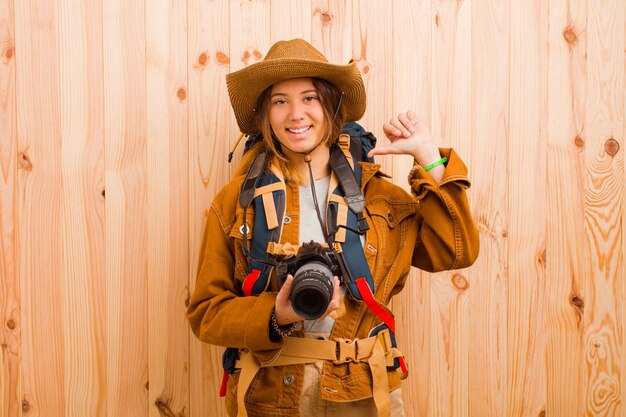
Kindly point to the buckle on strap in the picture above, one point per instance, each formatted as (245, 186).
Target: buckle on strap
(358, 350)
(347, 351)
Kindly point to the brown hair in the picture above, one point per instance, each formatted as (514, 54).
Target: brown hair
(330, 98)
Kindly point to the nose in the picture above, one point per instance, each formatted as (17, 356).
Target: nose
(296, 111)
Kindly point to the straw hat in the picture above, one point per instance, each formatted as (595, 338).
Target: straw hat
(295, 58)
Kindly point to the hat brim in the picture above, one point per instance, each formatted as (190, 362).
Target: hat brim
(246, 85)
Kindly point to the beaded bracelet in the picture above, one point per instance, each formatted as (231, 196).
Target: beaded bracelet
(436, 163)
(278, 330)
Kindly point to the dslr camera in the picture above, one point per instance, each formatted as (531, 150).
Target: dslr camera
(313, 269)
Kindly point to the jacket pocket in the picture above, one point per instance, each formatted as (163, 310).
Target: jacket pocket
(389, 220)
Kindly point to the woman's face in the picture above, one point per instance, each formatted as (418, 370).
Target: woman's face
(296, 115)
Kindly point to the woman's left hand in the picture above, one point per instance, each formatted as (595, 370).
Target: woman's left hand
(408, 136)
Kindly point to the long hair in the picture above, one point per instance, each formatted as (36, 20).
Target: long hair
(334, 115)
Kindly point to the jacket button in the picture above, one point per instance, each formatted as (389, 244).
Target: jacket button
(390, 216)
(287, 220)
(288, 379)
(244, 227)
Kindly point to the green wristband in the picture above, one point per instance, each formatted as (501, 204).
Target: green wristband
(437, 163)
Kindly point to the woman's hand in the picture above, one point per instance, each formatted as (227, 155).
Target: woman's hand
(283, 310)
(410, 136)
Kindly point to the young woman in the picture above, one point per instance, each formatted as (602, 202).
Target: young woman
(303, 182)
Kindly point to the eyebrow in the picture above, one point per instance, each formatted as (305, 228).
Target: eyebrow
(312, 90)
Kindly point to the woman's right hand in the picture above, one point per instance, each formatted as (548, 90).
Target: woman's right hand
(283, 310)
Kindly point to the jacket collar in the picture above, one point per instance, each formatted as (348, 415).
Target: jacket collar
(369, 170)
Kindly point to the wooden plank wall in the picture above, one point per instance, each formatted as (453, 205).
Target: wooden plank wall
(114, 130)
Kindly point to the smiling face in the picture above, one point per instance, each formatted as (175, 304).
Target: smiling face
(296, 116)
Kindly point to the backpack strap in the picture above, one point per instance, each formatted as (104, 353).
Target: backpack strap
(269, 206)
(247, 192)
(346, 171)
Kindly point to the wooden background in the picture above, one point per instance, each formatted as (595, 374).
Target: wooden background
(114, 130)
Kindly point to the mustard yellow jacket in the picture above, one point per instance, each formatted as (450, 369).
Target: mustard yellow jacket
(432, 230)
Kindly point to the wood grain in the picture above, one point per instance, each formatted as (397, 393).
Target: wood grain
(604, 195)
(371, 45)
(488, 283)
(623, 254)
(567, 262)
(210, 137)
(411, 76)
(125, 196)
(82, 283)
(250, 34)
(289, 19)
(167, 209)
(9, 279)
(526, 317)
(451, 117)
(331, 29)
(40, 208)
(115, 125)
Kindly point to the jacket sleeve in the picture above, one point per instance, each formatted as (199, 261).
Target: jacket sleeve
(218, 313)
(447, 238)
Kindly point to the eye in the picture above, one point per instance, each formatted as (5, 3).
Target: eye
(310, 98)
(279, 101)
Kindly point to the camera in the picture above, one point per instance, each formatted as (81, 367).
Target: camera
(313, 269)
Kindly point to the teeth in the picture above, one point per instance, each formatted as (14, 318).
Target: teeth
(301, 130)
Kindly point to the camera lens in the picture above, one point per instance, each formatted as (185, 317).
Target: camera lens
(312, 290)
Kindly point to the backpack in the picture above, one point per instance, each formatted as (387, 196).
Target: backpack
(361, 142)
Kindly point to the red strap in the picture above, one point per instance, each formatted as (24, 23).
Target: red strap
(402, 364)
(249, 282)
(224, 382)
(378, 309)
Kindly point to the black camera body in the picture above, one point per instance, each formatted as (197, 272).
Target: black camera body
(313, 269)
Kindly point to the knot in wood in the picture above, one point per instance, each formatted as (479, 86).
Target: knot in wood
(541, 258)
(460, 282)
(164, 410)
(326, 18)
(611, 146)
(8, 53)
(25, 406)
(249, 58)
(11, 324)
(570, 35)
(203, 59)
(24, 162)
(181, 94)
(579, 142)
(222, 58)
(577, 302)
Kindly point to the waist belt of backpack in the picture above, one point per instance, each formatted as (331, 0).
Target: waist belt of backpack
(377, 351)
